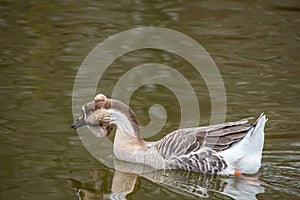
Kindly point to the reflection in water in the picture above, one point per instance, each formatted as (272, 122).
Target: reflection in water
(255, 44)
(123, 184)
(189, 184)
(91, 189)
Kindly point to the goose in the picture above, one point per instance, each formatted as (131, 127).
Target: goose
(230, 148)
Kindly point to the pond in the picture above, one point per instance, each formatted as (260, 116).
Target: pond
(255, 46)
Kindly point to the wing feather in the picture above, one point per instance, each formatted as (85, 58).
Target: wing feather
(217, 137)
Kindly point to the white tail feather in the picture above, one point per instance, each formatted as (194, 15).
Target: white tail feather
(245, 156)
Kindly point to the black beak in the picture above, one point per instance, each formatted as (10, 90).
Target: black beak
(79, 122)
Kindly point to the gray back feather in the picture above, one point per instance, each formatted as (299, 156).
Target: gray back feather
(184, 148)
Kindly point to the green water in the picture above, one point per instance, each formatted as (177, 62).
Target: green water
(255, 45)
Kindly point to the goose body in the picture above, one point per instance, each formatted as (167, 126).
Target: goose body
(217, 149)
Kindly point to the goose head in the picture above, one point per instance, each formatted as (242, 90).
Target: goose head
(96, 116)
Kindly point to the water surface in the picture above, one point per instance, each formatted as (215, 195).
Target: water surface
(254, 44)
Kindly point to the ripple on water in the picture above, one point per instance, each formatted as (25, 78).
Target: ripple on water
(280, 171)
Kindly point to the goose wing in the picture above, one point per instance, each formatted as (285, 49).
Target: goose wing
(217, 137)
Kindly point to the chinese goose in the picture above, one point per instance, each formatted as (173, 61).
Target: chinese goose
(227, 148)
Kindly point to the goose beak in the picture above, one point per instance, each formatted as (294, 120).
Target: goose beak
(79, 122)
